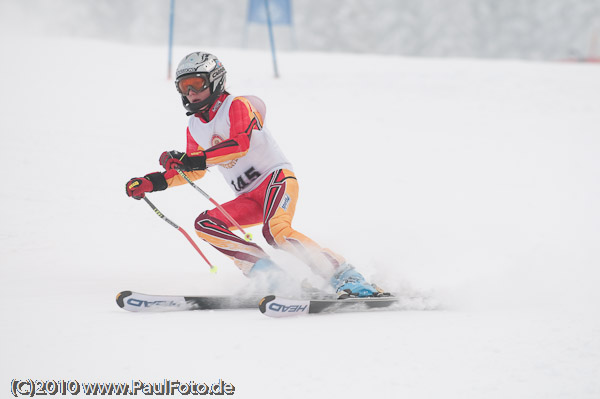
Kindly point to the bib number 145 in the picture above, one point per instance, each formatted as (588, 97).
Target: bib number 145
(244, 180)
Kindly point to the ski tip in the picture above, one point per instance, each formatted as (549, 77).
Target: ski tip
(121, 298)
(262, 305)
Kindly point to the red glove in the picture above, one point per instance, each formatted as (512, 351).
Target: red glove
(180, 160)
(171, 160)
(139, 186)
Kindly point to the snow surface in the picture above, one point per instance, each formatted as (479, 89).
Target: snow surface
(474, 181)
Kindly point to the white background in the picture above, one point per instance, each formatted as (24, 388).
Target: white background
(522, 29)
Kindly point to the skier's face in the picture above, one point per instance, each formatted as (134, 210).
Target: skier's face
(194, 97)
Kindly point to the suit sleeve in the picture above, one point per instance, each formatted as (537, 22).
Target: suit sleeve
(244, 118)
(173, 178)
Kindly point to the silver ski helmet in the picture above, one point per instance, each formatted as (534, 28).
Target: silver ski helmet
(203, 67)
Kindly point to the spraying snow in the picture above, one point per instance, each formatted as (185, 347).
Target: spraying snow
(475, 182)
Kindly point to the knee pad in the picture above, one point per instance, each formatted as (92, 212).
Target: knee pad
(206, 224)
(276, 234)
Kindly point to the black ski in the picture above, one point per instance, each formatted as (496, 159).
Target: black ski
(275, 306)
(137, 302)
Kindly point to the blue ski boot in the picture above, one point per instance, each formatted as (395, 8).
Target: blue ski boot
(264, 265)
(348, 283)
(269, 278)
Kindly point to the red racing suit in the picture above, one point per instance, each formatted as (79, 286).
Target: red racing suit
(234, 139)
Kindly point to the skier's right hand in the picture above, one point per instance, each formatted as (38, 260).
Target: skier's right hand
(138, 187)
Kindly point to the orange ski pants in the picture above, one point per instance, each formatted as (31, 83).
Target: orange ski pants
(272, 204)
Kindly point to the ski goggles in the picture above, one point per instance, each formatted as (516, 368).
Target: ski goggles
(195, 83)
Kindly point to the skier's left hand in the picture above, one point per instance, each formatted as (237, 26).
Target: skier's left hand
(180, 160)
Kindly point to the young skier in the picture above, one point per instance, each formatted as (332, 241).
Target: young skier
(228, 132)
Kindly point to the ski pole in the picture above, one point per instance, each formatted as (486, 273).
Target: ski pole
(247, 236)
(213, 269)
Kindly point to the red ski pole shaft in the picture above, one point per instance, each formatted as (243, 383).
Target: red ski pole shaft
(247, 236)
(213, 268)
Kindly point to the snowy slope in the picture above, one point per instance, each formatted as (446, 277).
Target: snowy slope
(475, 181)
